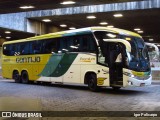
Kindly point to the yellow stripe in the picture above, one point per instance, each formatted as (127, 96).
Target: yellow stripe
(140, 74)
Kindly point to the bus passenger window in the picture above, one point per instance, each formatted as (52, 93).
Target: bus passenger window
(88, 44)
(50, 46)
(23, 48)
(13, 50)
(74, 46)
(64, 45)
(9, 50)
(6, 50)
(78, 43)
(36, 47)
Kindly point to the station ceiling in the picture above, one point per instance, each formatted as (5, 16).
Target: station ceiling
(147, 20)
(14, 34)
(10, 6)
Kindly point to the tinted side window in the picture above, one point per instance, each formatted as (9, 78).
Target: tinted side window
(78, 43)
(13, 49)
(6, 50)
(50, 45)
(65, 44)
(23, 48)
(88, 43)
(10, 49)
(75, 44)
(35, 47)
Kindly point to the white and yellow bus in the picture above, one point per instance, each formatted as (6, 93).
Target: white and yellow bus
(97, 56)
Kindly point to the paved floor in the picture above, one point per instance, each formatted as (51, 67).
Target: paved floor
(43, 97)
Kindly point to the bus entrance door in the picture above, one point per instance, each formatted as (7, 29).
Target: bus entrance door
(117, 58)
(115, 65)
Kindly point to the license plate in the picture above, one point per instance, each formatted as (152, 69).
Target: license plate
(142, 84)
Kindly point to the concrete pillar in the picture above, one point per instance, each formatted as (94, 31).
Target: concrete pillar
(40, 28)
(2, 40)
(36, 27)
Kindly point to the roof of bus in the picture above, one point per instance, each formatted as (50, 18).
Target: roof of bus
(76, 31)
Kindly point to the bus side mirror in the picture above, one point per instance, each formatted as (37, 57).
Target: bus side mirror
(126, 61)
(128, 58)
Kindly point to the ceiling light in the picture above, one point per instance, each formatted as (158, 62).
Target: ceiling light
(26, 7)
(67, 2)
(158, 45)
(118, 15)
(8, 37)
(91, 17)
(151, 39)
(46, 20)
(110, 26)
(63, 25)
(103, 23)
(140, 31)
(137, 29)
(7, 32)
(72, 28)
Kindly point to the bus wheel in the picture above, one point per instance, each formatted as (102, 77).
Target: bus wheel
(16, 77)
(92, 82)
(24, 77)
(116, 88)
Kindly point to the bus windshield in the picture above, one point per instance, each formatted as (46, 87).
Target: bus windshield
(139, 54)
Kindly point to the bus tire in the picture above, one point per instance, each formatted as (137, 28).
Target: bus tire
(24, 77)
(92, 82)
(16, 76)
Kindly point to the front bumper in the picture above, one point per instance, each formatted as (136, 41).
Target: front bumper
(139, 83)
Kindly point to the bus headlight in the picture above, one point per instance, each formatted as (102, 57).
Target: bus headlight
(131, 75)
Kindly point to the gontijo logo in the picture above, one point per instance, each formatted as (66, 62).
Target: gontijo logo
(87, 59)
(28, 59)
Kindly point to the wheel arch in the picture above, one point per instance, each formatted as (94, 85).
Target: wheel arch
(15, 70)
(25, 76)
(86, 76)
(25, 70)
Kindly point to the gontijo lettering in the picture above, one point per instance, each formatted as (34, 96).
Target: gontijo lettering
(28, 59)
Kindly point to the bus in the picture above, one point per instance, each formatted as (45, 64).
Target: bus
(95, 56)
(153, 52)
